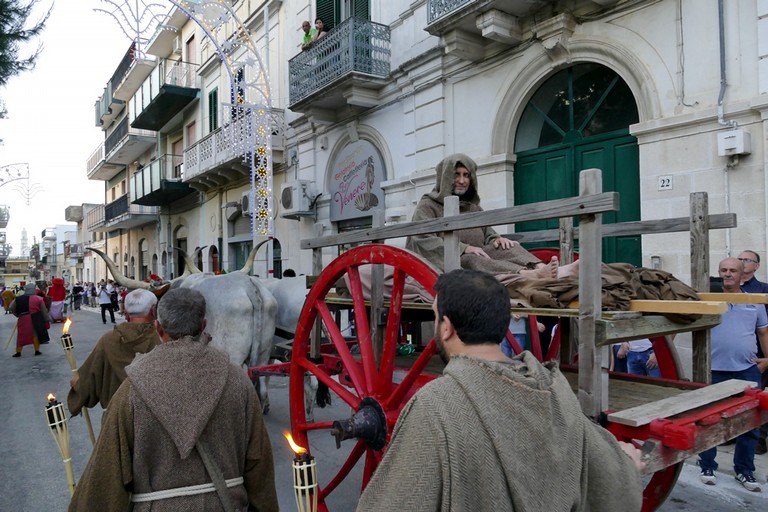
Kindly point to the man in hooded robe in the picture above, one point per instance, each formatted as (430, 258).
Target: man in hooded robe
(33, 320)
(480, 248)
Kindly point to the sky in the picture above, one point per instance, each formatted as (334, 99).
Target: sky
(51, 119)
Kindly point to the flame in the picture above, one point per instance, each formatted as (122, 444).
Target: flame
(298, 450)
(67, 324)
(51, 397)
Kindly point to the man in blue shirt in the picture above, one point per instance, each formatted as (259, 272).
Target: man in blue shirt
(750, 284)
(734, 356)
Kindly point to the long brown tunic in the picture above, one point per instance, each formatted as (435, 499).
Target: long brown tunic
(501, 436)
(430, 246)
(180, 392)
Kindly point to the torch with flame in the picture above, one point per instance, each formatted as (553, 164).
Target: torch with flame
(304, 477)
(57, 422)
(69, 350)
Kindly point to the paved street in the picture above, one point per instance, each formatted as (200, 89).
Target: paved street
(33, 473)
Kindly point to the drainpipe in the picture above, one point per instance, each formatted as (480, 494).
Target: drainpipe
(722, 121)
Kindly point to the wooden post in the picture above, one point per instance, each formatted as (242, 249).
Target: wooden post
(377, 296)
(452, 258)
(590, 391)
(566, 240)
(317, 268)
(701, 341)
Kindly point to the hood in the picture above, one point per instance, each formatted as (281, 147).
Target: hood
(57, 281)
(526, 385)
(199, 374)
(137, 335)
(444, 176)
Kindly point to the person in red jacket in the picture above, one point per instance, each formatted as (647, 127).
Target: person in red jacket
(57, 293)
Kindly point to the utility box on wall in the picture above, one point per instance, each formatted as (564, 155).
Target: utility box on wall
(734, 142)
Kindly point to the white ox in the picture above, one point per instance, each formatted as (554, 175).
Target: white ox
(240, 311)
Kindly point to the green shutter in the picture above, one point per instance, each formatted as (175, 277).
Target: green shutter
(361, 9)
(328, 11)
(213, 110)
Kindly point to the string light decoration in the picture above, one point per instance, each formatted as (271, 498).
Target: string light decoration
(249, 110)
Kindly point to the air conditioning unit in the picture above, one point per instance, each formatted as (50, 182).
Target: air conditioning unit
(177, 46)
(295, 198)
(245, 204)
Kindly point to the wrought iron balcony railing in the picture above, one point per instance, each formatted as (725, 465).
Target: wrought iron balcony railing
(436, 9)
(355, 45)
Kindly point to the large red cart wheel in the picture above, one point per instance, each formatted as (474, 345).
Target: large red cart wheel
(369, 389)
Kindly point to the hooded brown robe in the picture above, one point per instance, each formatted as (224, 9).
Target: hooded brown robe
(501, 436)
(179, 393)
(104, 369)
(430, 246)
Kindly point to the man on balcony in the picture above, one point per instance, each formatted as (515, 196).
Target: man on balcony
(309, 35)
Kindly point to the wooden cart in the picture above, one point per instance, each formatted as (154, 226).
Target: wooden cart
(681, 418)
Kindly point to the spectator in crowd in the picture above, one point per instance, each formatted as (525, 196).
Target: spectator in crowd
(734, 356)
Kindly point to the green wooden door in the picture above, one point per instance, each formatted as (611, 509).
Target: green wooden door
(577, 120)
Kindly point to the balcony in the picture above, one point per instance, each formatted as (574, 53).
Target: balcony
(168, 90)
(213, 161)
(125, 144)
(159, 183)
(108, 108)
(73, 213)
(94, 219)
(76, 251)
(130, 73)
(466, 27)
(120, 214)
(346, 68)
(5, 216)
(97, 167)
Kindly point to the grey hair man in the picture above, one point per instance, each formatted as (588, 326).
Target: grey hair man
(185, 418)
(103, 371)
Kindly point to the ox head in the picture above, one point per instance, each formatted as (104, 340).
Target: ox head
(160, 287)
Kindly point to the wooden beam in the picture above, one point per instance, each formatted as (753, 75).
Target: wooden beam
(640, 227)
(644, 414)
(569, 207)
(736, 298)
(685, 307)
(701, 364)
(613, 331)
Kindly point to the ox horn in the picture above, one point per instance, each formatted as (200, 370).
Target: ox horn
(189, 264)
(119, 277)
(249, 262)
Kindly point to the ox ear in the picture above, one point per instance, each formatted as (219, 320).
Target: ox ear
(160, 291)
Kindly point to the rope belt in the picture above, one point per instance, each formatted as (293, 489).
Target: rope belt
(183, 491)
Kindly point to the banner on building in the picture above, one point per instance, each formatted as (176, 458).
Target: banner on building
(355, 182)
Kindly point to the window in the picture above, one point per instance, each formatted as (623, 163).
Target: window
(333, 12)
(213, 110)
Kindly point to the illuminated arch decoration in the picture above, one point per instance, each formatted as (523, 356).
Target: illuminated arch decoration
(249, 108)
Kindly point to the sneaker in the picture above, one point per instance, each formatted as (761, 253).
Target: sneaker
(707, 476)
(748, 481)
(17, 354)
(38, 353)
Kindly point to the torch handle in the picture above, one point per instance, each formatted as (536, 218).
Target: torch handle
(13, 331)
(70, 475)
(87, 417)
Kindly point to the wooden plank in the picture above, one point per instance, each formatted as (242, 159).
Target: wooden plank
(634, 228)
(452, 257)
(644, 414)
(702, 344)
(591, 390)
(566, 240)
(736, 298)
(613, 331)
(568, 207)
(693, 307)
